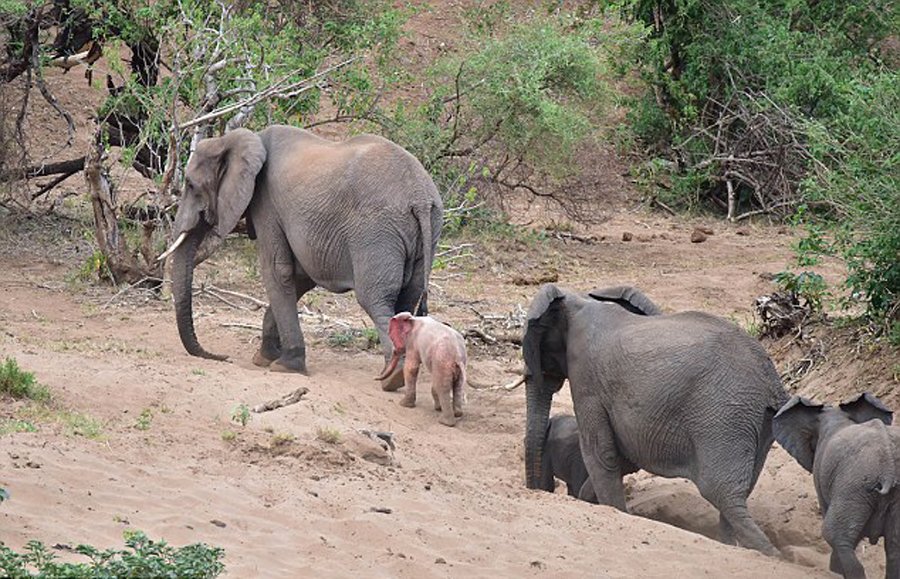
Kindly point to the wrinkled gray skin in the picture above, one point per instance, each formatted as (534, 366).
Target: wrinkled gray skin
(854, 457)
(359, 215)
(681, 395)
(562, 458)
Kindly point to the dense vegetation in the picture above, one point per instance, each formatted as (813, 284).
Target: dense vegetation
(744, 107)
(142, 557)
(785, 106)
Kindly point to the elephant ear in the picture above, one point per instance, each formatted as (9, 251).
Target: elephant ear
(630, 298)
(241, 158)
(867, 407)
(796, 429)
(399, 328)
(544, 344)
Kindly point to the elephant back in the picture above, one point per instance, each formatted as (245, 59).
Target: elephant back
(629, 297)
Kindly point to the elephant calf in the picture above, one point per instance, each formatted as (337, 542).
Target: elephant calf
(442, 349)
(854, 456)
(563, 460)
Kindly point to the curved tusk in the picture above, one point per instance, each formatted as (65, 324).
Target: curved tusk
(173, 247)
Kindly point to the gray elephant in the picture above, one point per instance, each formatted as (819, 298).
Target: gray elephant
(359, 215)
(682, 395)
(562, 458)
(854, 456)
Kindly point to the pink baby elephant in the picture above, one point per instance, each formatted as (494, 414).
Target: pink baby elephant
(442, 350)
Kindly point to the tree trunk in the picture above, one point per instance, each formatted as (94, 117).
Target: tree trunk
(121, 265)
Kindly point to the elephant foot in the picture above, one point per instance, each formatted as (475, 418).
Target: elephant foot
(447, 421)
(408, 403)
(457, 412)
(289, 363)
(262, 360)
(393, 382)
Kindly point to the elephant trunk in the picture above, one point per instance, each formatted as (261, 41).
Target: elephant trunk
(392, 365)
(182, 282)
(537, 418)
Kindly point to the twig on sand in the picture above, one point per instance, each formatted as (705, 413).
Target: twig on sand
(127, 289)
(242, 325)
(285, 400)
(219, 294)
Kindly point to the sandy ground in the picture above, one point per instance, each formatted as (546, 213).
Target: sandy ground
(281, 501)
(284, 503)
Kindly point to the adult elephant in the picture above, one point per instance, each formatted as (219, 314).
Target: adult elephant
(361, 214)
(681, 395)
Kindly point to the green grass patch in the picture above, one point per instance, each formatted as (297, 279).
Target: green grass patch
(10, 425)
(20, 384)
(141, 557)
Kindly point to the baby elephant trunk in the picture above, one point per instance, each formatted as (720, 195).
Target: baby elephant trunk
(392, 365)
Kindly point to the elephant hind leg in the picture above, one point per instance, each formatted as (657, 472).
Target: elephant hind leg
(602, 459)
(459, 394)
(378, 285)
(735, 523)
(842, 529)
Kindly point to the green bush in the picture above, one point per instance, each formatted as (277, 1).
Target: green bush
(784, 104)
(18, 383)
(142, 557)
(511, 113)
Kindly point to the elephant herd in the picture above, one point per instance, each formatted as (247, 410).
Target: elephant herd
(679, 395)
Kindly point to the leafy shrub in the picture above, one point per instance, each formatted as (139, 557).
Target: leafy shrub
(511, 114)
(18, 383)
(142, 557)
(767, 106)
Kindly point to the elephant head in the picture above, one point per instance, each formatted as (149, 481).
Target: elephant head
(219, 183)
(545, 352)
(798, 424)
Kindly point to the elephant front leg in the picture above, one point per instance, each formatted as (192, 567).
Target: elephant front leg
(270, 346)
(410, 377)
(278, 275)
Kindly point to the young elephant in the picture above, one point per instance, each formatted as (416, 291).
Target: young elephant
(442, 349)
(854, 456)
(563, 460)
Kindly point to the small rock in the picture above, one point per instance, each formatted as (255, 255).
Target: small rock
(742, 231)
(32, 464)
(698, 236)
(538, 564)
(218, 523)
(440, 561)
(706, 230)
(382, 510)
(627, 236)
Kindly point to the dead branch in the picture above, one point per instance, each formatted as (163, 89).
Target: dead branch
(275, 90)
(216, 293)
(241, 325)
(569, 236)
(285, 400)
(128, 288)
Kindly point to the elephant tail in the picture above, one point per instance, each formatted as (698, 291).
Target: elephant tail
(423, 215)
